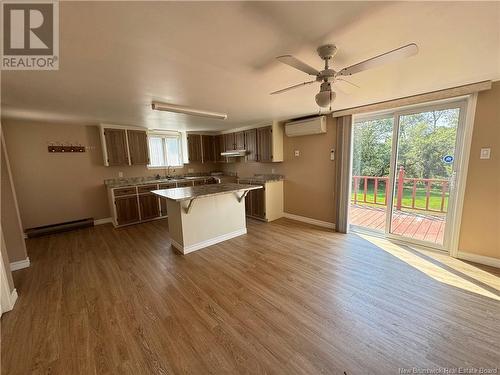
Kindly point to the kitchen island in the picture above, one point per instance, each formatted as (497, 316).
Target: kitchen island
(202, 216)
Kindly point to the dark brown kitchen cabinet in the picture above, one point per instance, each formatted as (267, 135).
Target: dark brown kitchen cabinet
(255, 204)
(219, 146)
(138, 147)
(116, 146)
(265, 144)
(229, 143)
(185, 184)
(251, 144)
(148, 204)
(239, 141)
(194, 148)
(127, 210)
(208, 142)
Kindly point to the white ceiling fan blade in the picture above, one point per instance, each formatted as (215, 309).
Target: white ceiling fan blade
(346, 81)
(396, 54)
(292, 87)
(297, 64)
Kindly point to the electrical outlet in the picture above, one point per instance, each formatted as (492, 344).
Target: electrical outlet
(332, 154)
(120, 174)
(273, 171)
(190, 170)
(297, 153)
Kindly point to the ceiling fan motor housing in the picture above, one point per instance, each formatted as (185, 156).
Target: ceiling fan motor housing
(327, 51)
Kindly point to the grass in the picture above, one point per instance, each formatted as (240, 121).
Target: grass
(420, 196)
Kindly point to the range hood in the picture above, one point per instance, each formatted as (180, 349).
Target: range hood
(233, 153)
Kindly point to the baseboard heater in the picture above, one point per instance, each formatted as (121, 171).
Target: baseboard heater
(58, 228)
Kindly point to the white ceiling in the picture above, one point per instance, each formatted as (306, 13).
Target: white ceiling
(116, 57)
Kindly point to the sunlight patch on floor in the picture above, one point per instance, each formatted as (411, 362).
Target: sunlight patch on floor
(438, 272)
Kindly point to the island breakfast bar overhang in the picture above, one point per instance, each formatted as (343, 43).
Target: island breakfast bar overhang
(204, 215)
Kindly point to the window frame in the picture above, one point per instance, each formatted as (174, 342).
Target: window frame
(164, 135)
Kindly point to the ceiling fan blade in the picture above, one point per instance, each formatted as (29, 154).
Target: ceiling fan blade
(346, 81)
(396, 54)
(297, 64)
(292, 87)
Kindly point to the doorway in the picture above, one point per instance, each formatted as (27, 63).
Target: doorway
(404, 173)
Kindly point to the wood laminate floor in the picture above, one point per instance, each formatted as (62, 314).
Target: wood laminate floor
(286, 298)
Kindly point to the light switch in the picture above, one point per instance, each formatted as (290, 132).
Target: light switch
(297, 153)
(485, 153)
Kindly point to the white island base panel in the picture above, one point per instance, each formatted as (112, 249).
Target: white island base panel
(210, 220)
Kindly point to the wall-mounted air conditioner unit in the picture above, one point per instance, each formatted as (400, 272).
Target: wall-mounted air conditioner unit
(314, 125)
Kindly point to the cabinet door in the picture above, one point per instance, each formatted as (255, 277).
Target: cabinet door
(116, 146)
(127, 210)
(251, 144)
(248, 203)
(148, 204)
(258, 208)
(219, 146)
(239, 141)
(229, 143)
(208, 148)
(138, 147)
(265, 144)
(185, 184)
(194, 147)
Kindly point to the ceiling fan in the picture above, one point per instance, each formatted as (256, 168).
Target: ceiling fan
(329, 76)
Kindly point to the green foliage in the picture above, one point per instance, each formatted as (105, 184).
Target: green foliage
(424, 139)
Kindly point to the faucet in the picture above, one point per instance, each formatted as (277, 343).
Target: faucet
(168, 171)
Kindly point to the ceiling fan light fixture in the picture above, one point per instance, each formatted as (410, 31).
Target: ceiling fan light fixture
(325, 98)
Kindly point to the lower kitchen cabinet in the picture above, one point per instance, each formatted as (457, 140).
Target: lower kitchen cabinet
(149, 207)
(135, 204)
(127, 210)
(266, 203)
(255, 204)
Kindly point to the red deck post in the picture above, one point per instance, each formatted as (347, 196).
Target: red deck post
(375, 188)
(401, 177)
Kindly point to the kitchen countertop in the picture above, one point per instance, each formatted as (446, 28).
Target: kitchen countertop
(145, 181)
(261, 179)
(189, 193)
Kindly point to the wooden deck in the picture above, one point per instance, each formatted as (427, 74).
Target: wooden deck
(412, 225)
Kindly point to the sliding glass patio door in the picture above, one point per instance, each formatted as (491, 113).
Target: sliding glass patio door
(404, 172)
(424, 173)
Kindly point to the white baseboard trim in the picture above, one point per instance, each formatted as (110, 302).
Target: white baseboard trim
(106, 220)
(481, 259)
(19, 265)
(308, 220)
(210, 242)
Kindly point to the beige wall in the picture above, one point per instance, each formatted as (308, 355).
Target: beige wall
(11, 224)
(53, 188)
(309, 188)
(480, 229)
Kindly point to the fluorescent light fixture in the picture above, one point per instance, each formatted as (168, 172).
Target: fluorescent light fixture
(188, 111)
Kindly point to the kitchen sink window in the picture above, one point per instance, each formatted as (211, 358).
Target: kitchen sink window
(164, 149)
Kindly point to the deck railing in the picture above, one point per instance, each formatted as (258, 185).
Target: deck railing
(401, 180)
